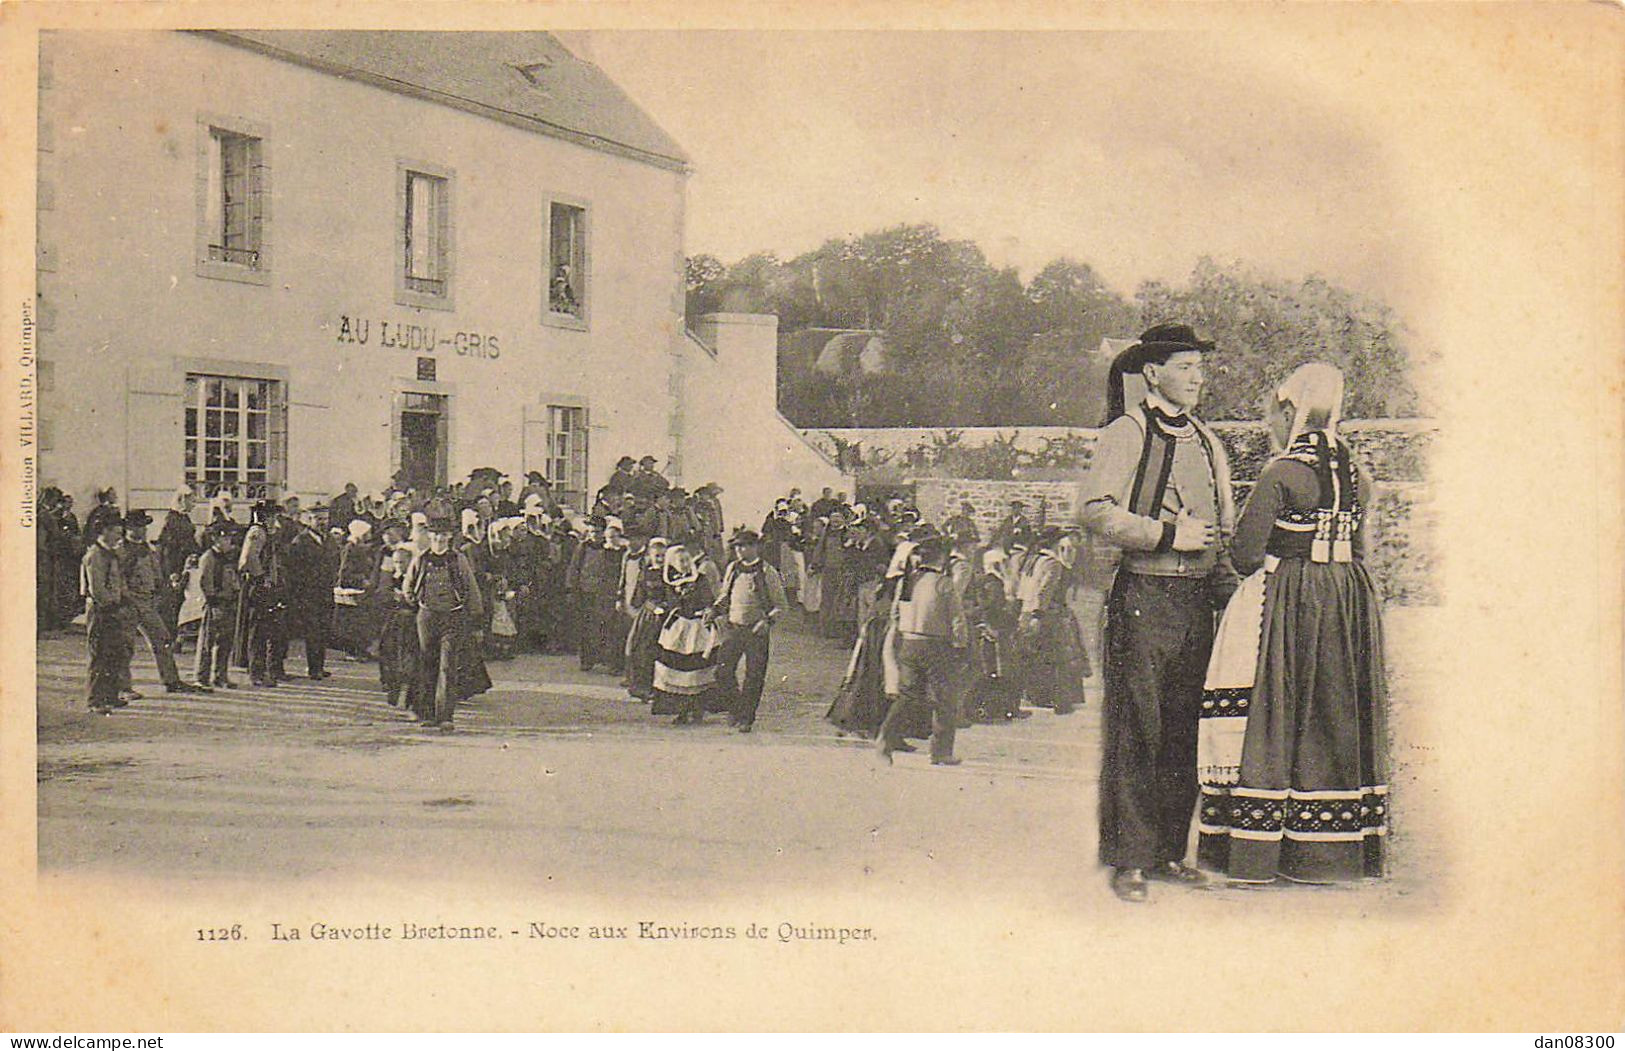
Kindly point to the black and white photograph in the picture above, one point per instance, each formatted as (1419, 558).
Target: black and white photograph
(929, 526)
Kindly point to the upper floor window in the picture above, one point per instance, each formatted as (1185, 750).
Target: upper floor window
(567, 262)
(424, 239)
(234, 202)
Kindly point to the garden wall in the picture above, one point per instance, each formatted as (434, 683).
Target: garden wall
(1395, 451)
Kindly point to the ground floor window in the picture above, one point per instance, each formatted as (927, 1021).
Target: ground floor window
(236, 436)
(566, 463)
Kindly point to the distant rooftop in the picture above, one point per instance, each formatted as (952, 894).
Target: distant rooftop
(526, 79)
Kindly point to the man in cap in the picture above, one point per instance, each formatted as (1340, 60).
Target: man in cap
(1158, 488)
(750, 600)
(441, 583)
(108, 617)
(148, 586)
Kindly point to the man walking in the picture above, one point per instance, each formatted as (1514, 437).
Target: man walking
(148, 588)
(751, 598)
(107, 618)
(932, 634)
(1158, 487)
(440, 582)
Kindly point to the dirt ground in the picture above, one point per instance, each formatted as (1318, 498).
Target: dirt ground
(555, 778)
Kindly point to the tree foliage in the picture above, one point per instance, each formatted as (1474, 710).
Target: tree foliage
(968, 344)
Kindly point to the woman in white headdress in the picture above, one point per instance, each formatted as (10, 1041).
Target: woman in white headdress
(685, 673)
(1292, 746)
(870, 684)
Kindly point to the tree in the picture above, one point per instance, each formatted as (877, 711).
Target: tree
(702, 278)
(1266, 328)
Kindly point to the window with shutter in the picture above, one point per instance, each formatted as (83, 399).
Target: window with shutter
(236, 436)
(423, 237)
(234, 201)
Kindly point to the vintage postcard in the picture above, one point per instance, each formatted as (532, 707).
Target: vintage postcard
(829, 517)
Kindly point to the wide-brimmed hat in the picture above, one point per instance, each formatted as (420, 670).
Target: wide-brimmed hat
(442, 524)
(1154, 347)
(747, 536)
(137, 520)
(1156, 344)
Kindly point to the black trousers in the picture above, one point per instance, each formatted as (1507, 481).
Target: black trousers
(107, 637)
(214, 640)
(1159, 633)
(743, 644)
(925, 677)
(597, 619)
(442, 639)
(315, 625)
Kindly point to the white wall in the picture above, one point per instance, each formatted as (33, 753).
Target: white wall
(733, 433)
(122, 306)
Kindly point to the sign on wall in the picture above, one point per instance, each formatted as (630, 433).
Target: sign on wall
(417, 338)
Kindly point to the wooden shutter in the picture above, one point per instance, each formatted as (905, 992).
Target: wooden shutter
(155, 437)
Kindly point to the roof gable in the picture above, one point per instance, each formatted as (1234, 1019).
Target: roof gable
(528, 79)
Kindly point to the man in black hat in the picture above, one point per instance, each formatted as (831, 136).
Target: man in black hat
(107, 617)
(1158, 488)
(649, 483)
(620, 482)
(932, 633)
(751, 599)
(144, 576)
(441, 583)
(312, 566)
(262, 600)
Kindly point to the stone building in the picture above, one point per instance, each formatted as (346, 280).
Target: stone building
(281, 261)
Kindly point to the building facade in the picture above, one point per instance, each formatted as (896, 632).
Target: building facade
(283, 261)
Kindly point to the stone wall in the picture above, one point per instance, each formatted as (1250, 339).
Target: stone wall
(1394, 451)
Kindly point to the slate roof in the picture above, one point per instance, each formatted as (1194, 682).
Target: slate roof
(526, 79)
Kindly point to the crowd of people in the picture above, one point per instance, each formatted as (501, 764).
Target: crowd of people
(1264, 725)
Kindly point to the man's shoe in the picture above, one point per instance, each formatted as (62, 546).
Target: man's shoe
(102, 707)
(128, 695)
(185, 687)
(947, 760)
(745, 728)
(1130, 885)
(225, 684)
(903, 746)
(321, 675)
(1176, 872)
(203, 687)
(445, 726)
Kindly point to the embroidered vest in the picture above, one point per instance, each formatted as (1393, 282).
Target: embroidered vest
(1324, 533)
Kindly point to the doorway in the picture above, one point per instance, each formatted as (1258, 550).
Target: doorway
(423, 440)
